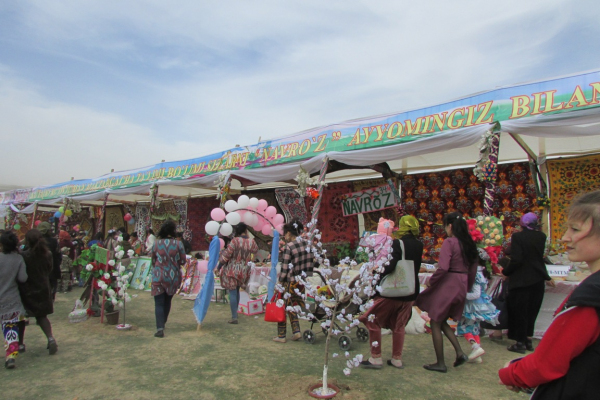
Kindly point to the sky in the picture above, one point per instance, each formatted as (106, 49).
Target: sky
(90, 86)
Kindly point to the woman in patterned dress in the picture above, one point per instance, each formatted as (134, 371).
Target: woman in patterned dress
(168, 256)
(235, 271)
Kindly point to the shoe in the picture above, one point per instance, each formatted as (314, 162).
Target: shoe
(10, 363)
(529, 345)
(478, 352)
(52, 346)
(279, 339)
(391, 364)
(233, 321)
(22, 348)
(460, 360)
(477, 360)
(160, 333)
(297, 336)
(435, 367)
(369, 365)
(517, 348)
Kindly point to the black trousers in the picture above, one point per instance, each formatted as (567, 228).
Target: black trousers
(162, 308)
(523, 307)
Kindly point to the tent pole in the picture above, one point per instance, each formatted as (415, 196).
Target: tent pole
(100, 223)
(317, 206)
(35, 207)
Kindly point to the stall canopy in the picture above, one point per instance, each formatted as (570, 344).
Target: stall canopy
(549, 118)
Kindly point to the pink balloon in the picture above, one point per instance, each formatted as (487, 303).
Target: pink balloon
(259, 225)
(37, 222)
(222, 242)
(271, 211)
(262, 205)
(266, 230)
(217, 214)
(203, 266)
(278, 219)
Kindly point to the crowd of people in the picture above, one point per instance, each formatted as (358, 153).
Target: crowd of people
(563, 364)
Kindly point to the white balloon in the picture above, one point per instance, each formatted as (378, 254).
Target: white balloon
(226, 229)
(253, 202)
(254, 220)
(243, 201)
(233, 218)
(212, 227)
(231, 205)
(248, 218)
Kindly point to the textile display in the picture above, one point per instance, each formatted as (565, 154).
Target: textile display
(181, 206)
(332, 224)
(568, 178)
(141, 221)
(198, 215)
(292, 204)
(113, 218)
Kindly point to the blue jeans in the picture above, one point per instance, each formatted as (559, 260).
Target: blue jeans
(162, 308)
(234, 300)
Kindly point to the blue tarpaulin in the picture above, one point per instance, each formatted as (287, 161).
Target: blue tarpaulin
(203, 299)
(274, 261)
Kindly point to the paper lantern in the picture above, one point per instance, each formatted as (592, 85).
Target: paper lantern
(270, 212)
(217, 214)
(131, 221)
(243, 201)
(262, 205)
(212, 227)
(221, 243)
(233, 218)
(127, 217)
(17, 227)
(226, 229)
(57, 214)
(266, 230)
(278, 219)
(36, 223)
(68, 213)
(253, 202)
(231, 205)
(203, 266)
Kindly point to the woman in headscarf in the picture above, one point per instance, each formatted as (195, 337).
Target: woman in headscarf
(526, 283)
(394, 312)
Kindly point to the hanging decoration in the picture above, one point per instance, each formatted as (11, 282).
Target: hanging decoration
(100, 222)
(304, 181)
(486, 169)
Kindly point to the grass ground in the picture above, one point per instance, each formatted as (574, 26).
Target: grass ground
(223, 361)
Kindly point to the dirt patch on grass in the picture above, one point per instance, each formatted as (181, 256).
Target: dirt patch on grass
(223, 361)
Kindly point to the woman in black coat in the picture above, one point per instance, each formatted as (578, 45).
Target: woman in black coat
(527, 276)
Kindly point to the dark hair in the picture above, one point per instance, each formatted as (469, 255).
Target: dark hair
(125, 236)
(149, 231)
(199, 256)
(134, 234)
(585, 207)
(9, 242)
(168, 229)
(295, 228)
(98, 236)
(179, 235)
(36, 242)
(240, 229)
(461, 231)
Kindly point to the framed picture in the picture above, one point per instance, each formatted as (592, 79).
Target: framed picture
(142, 270)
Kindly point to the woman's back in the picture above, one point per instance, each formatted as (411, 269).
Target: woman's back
(12, 267)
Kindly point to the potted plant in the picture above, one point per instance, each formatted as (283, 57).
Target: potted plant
(112, 315)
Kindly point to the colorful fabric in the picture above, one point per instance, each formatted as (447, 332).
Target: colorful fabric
(235, 271)
(198, 215)
(569, 178)
(294, 260)
(478, 307)
(294, 300)
(113, 218)
(292, 204)
(11, 334)
(333, 225)
(168, 255)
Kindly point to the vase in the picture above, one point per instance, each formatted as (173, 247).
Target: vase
(313, 391)
(112, 318)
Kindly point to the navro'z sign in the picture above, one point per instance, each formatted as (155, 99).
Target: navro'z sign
(369, 200)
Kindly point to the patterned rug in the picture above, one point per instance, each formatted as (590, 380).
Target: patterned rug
(568, 178)
(292, 204)
(333, 225)
(113, 218)
(198, 215)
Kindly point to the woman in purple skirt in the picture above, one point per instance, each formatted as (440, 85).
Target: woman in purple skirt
(445, 297)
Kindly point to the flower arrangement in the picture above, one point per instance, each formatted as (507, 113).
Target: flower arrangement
(485, 169)
(487, 233)
(304, 181)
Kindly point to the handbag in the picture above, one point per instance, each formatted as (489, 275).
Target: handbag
(499, 300)
(274, 313)
(401, 281)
